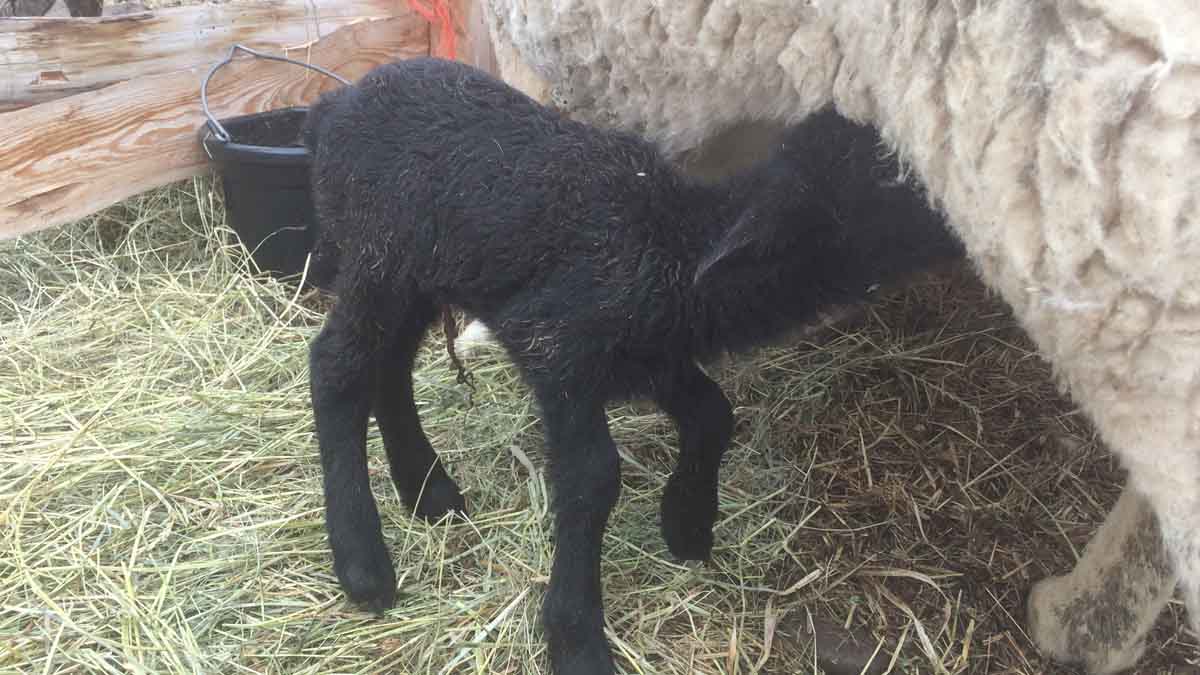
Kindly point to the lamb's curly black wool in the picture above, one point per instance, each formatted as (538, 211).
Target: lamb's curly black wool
(604, 272)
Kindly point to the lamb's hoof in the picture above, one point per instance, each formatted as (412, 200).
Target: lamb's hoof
(369, 580)
(590, 656)
(1061, 625)
(574, 630)
(687, 526)
(689, 543)
(439, 497)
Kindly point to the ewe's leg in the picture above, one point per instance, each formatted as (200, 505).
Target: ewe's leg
(1180, 522)
(1170, 483)
(418, 474)
(1181, 534)
(342, 360)
(1099, 614)
(585, 474)
(704, 418)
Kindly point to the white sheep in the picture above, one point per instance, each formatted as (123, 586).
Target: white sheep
(1062, 137)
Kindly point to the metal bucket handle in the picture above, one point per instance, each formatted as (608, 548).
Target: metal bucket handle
(218, 130)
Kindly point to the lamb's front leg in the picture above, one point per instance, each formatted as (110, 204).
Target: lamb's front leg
(585, 477)
(704, 419)
(341, 367)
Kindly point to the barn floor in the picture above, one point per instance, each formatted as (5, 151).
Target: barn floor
(905, 474)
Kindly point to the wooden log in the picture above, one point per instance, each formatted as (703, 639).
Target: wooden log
(65, 159)
(43, 58)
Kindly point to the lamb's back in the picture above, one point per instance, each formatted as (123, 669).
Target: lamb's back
(452, 177)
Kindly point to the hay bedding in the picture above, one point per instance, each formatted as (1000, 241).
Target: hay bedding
(906, 474)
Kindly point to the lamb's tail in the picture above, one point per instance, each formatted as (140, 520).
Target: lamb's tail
(322, 266)
(323, 260)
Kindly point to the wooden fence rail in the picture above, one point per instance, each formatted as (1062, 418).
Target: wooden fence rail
(96, 110)
(43, 58)
(64, 159)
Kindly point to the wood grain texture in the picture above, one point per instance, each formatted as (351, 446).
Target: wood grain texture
(45, 58)
(62, 160)
(508, 63)
(473, 42)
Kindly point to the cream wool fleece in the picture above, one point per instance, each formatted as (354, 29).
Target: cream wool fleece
(1062, 139)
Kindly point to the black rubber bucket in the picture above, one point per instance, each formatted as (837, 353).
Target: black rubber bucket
(264, 170)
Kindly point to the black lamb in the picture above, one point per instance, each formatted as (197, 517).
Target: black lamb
(604, 272)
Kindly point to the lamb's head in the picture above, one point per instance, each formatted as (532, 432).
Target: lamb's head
(825, 221)
(780, 209)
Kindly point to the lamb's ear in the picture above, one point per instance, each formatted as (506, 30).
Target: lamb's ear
(742, 246)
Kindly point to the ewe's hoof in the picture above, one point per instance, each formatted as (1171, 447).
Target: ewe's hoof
(440, 496)
(1071, 626)
(1050, 638)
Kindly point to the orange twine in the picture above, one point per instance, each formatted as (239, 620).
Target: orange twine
(437, 13)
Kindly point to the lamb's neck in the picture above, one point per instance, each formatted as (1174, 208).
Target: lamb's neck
(736, 316)
(735, 311)
(701, 214)
(708, 210)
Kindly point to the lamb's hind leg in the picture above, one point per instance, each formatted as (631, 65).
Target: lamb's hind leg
(1099, 614)
(343, 360)
(416, 470)
(704, 419)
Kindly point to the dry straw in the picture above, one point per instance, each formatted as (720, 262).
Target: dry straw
(904, 475)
